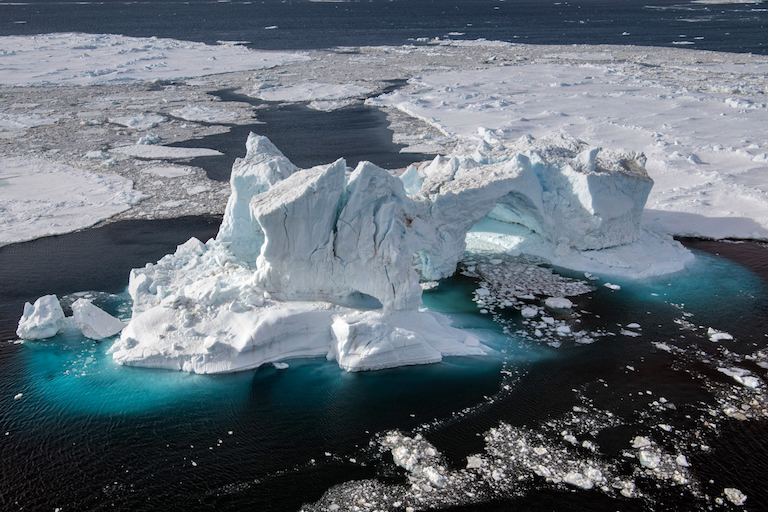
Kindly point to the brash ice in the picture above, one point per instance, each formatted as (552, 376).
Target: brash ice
(328, 262)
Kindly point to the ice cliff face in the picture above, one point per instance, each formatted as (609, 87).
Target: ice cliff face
(323, 262)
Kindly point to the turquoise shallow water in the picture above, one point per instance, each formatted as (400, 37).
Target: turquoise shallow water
(87, 434)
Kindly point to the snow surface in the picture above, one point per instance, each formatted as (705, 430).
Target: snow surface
(321, 262)
(40, 198)
(86, 59)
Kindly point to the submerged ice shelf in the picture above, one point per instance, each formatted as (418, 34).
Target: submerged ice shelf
(328, 261)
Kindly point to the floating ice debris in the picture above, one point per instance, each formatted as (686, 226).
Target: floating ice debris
(741, 376)
(18, 396)
(641, 442)
(42, 320)
(529, 312)
(417, 456)
(612, 286)
(633, 326)
(558, 303)
(149, 139)
(96, 155)
(138, 122)
(94, 322)
(735, 496)
(633, 334)
(280, 366)
(715, 335)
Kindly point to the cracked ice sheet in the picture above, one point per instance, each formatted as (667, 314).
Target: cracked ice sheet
(86, 59)
(701, 125)
(65, 199)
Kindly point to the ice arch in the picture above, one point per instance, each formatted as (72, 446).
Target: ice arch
(297, 247)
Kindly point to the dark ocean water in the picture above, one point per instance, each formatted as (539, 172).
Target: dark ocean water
(89, 435)
(304, 24)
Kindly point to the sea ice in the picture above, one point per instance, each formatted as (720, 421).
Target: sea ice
(61, 59)
(65, 198)
(42, 320)
(318, 262)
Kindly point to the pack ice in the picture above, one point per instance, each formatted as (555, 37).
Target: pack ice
(327, 261)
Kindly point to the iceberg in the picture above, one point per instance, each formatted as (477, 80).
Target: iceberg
(328, 261)
(40, 320)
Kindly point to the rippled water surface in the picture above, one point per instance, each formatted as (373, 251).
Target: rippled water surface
(86, 434)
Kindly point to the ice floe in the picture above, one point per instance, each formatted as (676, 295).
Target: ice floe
(65, 198)
(81, 59)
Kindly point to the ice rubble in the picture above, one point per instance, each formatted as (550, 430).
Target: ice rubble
(324, 262)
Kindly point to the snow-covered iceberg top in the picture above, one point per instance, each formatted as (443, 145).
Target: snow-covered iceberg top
(328, 260)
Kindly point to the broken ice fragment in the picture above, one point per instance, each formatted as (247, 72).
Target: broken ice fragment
(42, 320)
(558, 303)
(735, 496)
(93, 322)
(715, 335)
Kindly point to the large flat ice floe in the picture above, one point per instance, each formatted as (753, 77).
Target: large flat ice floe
(85, 59)
(328, 261)
(39, 197)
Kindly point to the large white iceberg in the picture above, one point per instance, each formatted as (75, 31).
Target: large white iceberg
(327, 261)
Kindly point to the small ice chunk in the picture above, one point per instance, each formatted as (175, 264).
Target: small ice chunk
(641, 442)
(735, 496)
(96, 155)
(529, 312)
(649, 458)
(148, 139)
(741, 376)
(612, 286)
(18, 396)
(558, 303)
(95, 323)
(715, 335)
(280, 366)
(633, 326)
(578, 480)
(42, 320)
(682, 461)
(474, 462)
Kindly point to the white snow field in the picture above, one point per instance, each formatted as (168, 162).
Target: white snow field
(86, 59)
(39, 198)
(312, 262)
